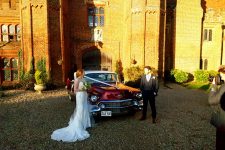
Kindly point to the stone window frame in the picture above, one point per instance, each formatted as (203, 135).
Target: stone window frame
(12, 35)
(9, 68)
(208, 34)
(12, 4)
(98, 17)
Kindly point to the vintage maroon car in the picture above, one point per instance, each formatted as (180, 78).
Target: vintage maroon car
(107, 96)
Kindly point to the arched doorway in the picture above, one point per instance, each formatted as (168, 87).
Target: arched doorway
(91, 60)
(94, 59)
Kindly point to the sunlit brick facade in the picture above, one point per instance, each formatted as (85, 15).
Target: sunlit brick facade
(95, 34)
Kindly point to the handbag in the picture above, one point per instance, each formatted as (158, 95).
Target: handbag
(218, 118)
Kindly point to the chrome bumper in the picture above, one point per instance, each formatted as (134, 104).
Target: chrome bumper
(116, 106)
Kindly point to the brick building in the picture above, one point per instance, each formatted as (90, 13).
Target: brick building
(10, 37)
(95, 34)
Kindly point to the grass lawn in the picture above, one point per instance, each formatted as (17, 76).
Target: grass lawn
(198, 85)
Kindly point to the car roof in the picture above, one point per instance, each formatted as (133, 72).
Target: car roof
(97, 71)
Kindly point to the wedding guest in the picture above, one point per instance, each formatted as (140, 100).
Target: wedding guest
(217, 100)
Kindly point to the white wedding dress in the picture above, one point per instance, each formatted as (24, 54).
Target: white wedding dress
(79, 121)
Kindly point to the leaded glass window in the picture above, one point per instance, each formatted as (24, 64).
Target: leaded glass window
(10, 69)
(95, 16)
(18, 34)
(5, 36)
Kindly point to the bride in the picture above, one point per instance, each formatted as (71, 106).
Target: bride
(80, 119)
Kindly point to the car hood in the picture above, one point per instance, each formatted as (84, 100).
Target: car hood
(117, 87)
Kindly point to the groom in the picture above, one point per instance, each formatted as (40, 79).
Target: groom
(149, 87)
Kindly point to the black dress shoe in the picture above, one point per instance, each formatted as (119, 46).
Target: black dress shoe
(142, 118)
(153, 120)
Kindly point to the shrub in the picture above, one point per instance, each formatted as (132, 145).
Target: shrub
(26, 81)
(179, 75)
(40, 73)
(40, 77)
(41, 65)
(119, 70)
(201, 75)
(133, 75)
(212, 74)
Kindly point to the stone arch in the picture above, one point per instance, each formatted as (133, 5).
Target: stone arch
(103, 60)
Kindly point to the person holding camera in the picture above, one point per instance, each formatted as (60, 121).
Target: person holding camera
(217, 100)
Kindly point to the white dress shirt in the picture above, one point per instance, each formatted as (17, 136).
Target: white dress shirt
(148, 76)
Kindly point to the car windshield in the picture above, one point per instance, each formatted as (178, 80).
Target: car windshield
(103, 77)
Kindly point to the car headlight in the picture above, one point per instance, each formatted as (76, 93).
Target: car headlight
(94, 98)
(139, 95)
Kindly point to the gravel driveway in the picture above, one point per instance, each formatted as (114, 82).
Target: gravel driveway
(183, 116)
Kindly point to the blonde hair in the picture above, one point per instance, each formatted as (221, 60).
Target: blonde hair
(79, 72)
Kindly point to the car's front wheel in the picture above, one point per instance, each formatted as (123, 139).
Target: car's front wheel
(96, 118)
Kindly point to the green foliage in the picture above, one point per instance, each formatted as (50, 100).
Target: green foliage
(40, 77)
(119, 70)
(40, 74)
(213, 73)
(26, 81)
(20, 62)
(134, 73)
(201, 76)
(179, 75)
(198, 85)
(41, 65)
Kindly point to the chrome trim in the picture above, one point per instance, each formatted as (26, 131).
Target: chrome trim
(119, 107)
(95, 109)
(116, 101)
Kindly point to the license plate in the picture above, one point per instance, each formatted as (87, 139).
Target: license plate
(106, 113)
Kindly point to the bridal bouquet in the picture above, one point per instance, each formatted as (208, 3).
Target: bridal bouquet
(86, 86)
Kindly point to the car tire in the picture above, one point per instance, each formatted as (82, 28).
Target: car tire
(97, 118)
(132, 113)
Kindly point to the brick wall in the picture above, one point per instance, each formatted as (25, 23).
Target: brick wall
(34, 32)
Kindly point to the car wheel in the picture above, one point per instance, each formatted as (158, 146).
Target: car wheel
(97, 118)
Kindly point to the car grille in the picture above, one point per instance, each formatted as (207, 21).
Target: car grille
(118, 106)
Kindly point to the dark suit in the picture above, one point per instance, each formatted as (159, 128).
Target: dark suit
(149, 90)
(217, 98)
